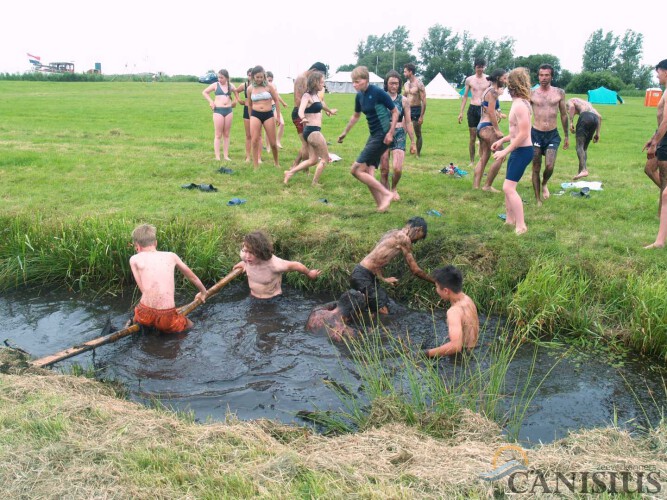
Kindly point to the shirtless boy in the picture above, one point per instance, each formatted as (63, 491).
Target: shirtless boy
(588, 127)
(265, 270)
(336, 317)
(656, 157)
(475, 84)
(547, 102)
(154, 273)
(368, 273)
(462, 319)
(415, 91)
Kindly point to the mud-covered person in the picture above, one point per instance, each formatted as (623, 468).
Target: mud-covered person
(265, 270)
(367, 275)
(588, 128)
(462, 318)
(338, 318)
(153, 270)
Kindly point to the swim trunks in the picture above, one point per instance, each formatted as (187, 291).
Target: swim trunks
(164, 320)
(373, 151)
(415, 113)
(367, 283)
(262, 115)
(474, 115)
(520, 158)
(246, 116)
(482, 125)
(587, 124)
(297, 121)
(399, 139)
(309, 129)
(661, 150)
(222, 111)
(545, 140)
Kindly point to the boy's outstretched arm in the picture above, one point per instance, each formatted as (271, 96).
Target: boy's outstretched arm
(192, 277)
(298, 266)
(414, 267)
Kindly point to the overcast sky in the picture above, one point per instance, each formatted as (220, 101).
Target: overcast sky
(190, 37)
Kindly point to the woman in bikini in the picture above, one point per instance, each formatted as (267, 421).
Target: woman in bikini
(310, 113)
(260, 95)
(488, 131)
(246, 116)
(222, 106)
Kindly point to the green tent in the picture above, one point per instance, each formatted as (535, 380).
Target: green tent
(602, 95)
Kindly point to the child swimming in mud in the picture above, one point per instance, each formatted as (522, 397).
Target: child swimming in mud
(462, 319)
(153, 271)
(337, 317)
(265, 270)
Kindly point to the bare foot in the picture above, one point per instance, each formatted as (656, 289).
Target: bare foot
(490, 189)
(316, 184)
(247, 160)
(583, 173)
(521, 230)
(217, 159)
(539, 202)
(280, 146)
(227, 158)
(653, 245)
(277, 165)
(288, 176)
(395, 196)
(545, 192)
(383, 206)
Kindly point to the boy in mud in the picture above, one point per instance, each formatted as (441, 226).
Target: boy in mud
(368, 273)
(462, 320)
(265, 270)
(153, 271)
(335, 317)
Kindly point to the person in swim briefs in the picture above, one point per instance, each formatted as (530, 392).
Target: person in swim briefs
(488, 130)
(547, 102)
(337, 318)
(265, 270)
(415, 91)
(300, 86)
(246, 115)
(392, 85)
(367, 275)
(475, 85)
(260, 95)
(153, 271)
(222, 106)
(588, 127)
(462, 318)
(310, 113)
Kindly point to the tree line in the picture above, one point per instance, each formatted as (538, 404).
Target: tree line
(607, 59)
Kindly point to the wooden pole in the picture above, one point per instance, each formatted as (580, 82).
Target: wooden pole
(113, 337)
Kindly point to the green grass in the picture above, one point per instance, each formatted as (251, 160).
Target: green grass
(83, 163)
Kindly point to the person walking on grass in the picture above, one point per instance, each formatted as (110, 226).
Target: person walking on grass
(223, 107)
(277, 114)
(588, 127)
(656, 158)
(415, 91)
(261, 94)
(392, 85)
(382, 116)
(246, 114)
(520, 148)
(475, 85)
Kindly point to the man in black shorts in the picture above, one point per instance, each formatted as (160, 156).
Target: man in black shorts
(588, 127)
(475, 85)
(382, 117)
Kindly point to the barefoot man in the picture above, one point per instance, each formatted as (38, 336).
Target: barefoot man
(656, 154)
(547, 102)
(415, 91)
(382, 116)
(475, 84)
(588, 127)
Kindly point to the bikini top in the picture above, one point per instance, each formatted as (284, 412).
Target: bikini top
(219, 91)
(485, 104)
(315, 107)
(261, 96)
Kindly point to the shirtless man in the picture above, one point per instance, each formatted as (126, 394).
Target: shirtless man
(368, 273)
(336, 317)
(588, 127)
(656, 154)
(547, 102)
(154, 273)
(462, 319)
(415, 91)
(265, 270)
(475, 84)
(300, 86)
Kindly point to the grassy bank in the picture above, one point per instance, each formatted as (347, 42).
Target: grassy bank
(82, 164)
(64, 436)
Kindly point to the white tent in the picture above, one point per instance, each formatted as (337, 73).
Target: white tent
(341, 82)
(284, 84)
(439, 88)
(505, 96)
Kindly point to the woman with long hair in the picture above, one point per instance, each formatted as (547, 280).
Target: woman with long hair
(488, 131)
(310, 113)
(222, 106)
(246, 115)
(520, 147)
(260, 95)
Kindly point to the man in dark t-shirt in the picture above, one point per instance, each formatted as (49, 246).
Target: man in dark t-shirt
(382, 116)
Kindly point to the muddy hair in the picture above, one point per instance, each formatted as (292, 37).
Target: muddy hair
(418, 222)
(547, 66)
(448, 277)
(518, 83)
(496, 75)
(393, 74)
(259, 244)
(313, 81)
(351, 303)
(144, 235)
(410, 67)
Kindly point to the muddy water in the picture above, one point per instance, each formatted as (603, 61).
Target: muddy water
(255, 360)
